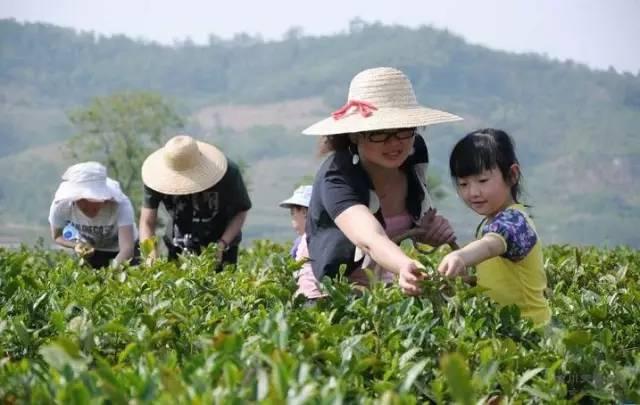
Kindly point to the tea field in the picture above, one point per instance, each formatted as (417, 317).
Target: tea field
(179, 333)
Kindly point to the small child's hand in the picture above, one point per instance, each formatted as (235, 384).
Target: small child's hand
(452, 265)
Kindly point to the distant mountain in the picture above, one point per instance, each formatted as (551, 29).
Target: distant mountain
(576, 129)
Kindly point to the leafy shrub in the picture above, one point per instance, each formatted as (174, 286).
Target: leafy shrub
(180, 332)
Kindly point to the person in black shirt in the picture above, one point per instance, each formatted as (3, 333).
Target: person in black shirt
(372, 188)
(202, 191)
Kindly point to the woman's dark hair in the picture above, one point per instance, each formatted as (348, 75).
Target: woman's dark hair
(485, 149)
(333, 143)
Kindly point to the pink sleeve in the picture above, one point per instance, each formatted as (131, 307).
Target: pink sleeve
(303, 250)
(307, 283)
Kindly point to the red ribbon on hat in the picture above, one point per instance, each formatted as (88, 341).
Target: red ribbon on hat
(365, 109)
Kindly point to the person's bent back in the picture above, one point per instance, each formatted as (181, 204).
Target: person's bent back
(97, 215)
(203, 193)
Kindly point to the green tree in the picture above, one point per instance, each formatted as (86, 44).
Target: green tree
(120, 130)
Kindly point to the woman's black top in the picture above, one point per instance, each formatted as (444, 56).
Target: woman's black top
(338, 185)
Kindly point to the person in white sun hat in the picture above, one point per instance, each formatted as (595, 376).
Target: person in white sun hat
(98, 210)
(297, 205)
(204, 194)
(372, 188)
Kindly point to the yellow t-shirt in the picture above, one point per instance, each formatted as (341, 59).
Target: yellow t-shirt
(517, 277)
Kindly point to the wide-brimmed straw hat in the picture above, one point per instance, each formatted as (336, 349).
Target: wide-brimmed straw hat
(379, 98)
(88, 180)
(184, 166)
(300, 197)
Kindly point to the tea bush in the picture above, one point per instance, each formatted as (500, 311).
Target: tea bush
(179, 332)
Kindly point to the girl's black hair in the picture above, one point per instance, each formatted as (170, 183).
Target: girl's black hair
(485, 149)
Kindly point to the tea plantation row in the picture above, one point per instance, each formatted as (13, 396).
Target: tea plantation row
(179, 333)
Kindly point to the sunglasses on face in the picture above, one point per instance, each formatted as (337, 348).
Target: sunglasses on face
(385, 135)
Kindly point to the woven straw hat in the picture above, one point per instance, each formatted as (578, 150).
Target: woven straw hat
(379, 98)
(184, 166)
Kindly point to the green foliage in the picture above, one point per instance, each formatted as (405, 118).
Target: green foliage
(120, 131)
(181, 332)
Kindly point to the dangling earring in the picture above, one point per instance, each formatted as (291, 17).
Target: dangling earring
(355, 158)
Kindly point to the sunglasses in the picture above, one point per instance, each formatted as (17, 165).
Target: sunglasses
(386, 134)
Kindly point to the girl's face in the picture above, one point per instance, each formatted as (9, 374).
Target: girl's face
(298, 218)
(387, 148)
(90, 208)
(487, 193)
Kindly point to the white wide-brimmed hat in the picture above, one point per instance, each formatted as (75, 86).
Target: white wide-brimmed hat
(184, 166)
(379, 98)
(301, 196)
(88, 180)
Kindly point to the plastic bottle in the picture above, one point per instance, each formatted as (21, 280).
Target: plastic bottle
(71, 233)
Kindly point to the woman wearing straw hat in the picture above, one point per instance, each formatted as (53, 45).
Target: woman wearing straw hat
(373, 187)
(202, 191)
(97, 211)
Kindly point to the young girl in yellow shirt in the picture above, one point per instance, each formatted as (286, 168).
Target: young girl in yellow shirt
(507, 253)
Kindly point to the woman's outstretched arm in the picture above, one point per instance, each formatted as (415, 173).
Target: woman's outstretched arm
(364, 231)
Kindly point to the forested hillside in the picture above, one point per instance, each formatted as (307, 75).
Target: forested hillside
(576, 129)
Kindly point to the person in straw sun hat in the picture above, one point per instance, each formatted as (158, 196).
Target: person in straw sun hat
(372, 188)
(100, 215)
(202, 191)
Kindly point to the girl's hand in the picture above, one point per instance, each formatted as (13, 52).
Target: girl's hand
(452, 265)
(410, 276)
(437, 229)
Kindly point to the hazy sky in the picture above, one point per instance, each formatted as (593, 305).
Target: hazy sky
(601, 33)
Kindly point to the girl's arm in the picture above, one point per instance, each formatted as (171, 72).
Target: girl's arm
(82, 249)
(456, 262)
(56, 235)
(125, 244)
(59, 214)
(364, 231)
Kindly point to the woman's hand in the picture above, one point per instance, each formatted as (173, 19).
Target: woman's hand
(409, 277)
(150, 259)
(437, 229)
(452, 265)
(83, 249)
